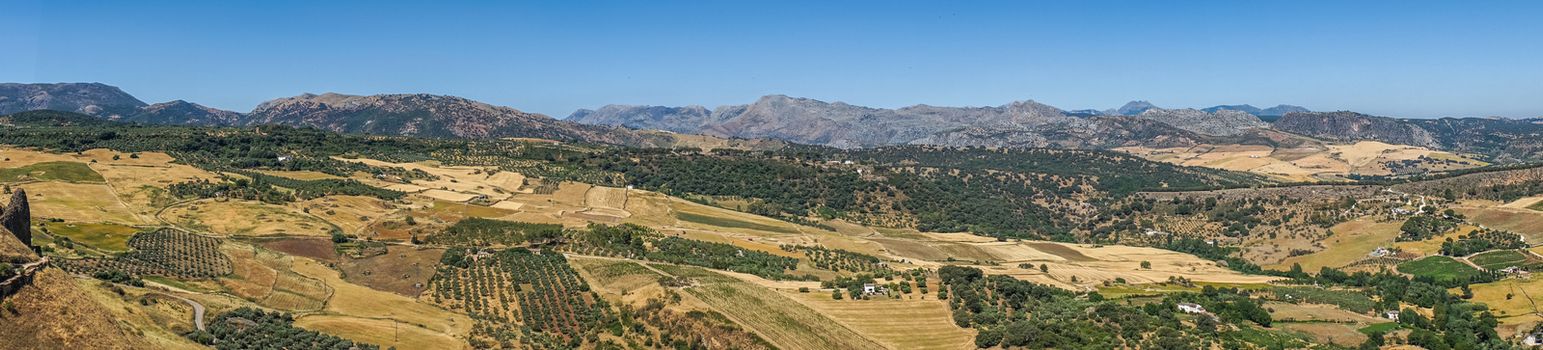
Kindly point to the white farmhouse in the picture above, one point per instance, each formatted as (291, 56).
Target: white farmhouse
(1191, 308)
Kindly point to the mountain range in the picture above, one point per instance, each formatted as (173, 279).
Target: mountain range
(1024, 123)
(421, 115)
(1020, 123)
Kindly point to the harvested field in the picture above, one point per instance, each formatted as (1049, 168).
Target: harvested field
(245, 218)
(1287, 312)
(620, 280)
(1522, 221)
(78, 202)
(782, 321)
(1309, 163)
(448, 195)
(265, 277)
(360, 301)
(730, 223)
(402, 270)
(1525, 301)
(315, 248)
(1338, 334)
(463, 179)
(301, 174)
(897, 323)
(350, 213)
(386, 333)
(452, 212)
(606, 197)
(1352, 241)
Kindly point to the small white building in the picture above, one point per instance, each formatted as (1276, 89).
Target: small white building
(874, 289)
(283, 159)
(1191, 308)
(1533, 339)
(1380, 252)
(1390, 314)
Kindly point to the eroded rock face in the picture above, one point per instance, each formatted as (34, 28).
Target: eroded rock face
(17, 217)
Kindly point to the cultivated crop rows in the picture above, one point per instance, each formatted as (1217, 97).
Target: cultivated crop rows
(539, 291)
(165, 252)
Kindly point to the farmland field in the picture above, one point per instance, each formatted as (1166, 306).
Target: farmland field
(79, 202)
(1351, 241)
(729, 223)
(386, 333)
(780, 320)
(165, 252)
(1438, 267)
(360, 301)
(245, 218)
(51, 171)
(1499, 259)
(108, 237)
(1512, 299)
(898, 323)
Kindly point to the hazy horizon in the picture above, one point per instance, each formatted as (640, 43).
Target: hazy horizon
(1410, 59)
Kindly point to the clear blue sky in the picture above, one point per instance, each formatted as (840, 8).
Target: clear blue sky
(1399, 58)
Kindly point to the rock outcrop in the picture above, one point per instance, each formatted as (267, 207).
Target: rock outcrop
(95, 99)
(17, 217)
(1351, 126)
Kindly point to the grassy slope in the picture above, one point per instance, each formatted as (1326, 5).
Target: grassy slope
(782, 321)
(1438, 267)
(50, 171)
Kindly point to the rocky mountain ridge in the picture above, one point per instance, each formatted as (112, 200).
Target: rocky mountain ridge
(1020, 124)
(1500, 138)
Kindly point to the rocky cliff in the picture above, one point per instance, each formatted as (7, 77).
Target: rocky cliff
(87, 98)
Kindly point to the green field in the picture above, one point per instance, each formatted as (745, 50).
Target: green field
(109, 237)
(1438, 267)
(1380, 327)
(730, 223)
(1499, 259)
(60, 171)
(1536, 206)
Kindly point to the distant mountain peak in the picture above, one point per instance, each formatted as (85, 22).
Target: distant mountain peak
(1134, 107)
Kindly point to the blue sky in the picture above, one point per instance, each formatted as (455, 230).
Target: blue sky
(1397, 58)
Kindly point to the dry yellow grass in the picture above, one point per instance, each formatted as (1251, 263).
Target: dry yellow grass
(1092, 265)
(386, 333)
(301, 174)
(1522, 221)
(245, 218)
(360, 301)
(1307, 163)
(78, 202)
(1287, 312)
(264, 277)
(1433, 245)
(897, 323)
(139, 182)
(1338, 334)
(1352, 241)
(350, 213)
(1522, 306)
(463, 179)
(777, 318)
